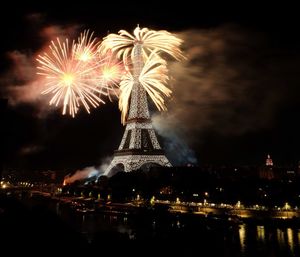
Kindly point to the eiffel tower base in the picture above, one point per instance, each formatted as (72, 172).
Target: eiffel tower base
(129, 163)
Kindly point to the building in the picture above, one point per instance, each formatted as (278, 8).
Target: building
(267, 170)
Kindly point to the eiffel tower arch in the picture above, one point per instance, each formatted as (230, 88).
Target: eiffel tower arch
(139, 146)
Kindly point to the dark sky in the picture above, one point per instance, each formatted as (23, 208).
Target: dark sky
(60, 142)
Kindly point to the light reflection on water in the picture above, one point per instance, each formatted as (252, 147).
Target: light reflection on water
(286, 239)
(242, 236)
(250, 240)
(274, 241)
(290, 240)
(280, 238)
(260, 233)
(226, 239)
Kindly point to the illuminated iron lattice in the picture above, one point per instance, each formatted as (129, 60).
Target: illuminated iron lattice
(139, 146)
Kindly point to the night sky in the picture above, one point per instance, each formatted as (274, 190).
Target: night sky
(235, 100)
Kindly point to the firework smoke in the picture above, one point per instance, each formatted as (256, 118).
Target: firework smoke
(20, 84)
(88, 172)
(227, 85)
(81, 174)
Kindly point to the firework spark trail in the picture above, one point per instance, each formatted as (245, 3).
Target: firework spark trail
(125, 92)
(109, 74)
(151, 40)
(106, 70)
(86, 50)
(153, 78)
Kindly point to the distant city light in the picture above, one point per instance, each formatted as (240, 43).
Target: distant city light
(287, 206)
(152, 200)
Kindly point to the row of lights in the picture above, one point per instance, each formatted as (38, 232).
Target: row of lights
(238, 205)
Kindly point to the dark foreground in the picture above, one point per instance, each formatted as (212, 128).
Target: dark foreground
(41, 229)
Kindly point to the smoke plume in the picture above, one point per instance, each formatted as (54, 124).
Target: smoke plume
(104, 164)
(233, 82)
(87, 172)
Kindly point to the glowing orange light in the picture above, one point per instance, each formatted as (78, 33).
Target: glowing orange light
(68, 79)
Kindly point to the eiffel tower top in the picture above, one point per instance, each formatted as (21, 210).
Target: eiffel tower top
(138, 109)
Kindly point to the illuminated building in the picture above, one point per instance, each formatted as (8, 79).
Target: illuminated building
(267, 171)
(269, 161)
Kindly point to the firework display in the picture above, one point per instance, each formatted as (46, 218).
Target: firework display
(68, 78)
(89, 70)
(150, 70)
(123, 43)
(76, 74)
(86, 71)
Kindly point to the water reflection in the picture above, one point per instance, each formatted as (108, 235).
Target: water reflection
(247, 239)
(242, 236)
(280, 238)
(260, 233)
(290, 239)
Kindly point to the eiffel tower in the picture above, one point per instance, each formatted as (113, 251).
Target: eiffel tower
(139, 148)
